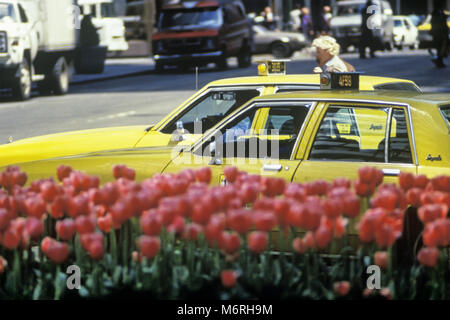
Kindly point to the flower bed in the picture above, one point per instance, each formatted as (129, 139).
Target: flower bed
(176, 237)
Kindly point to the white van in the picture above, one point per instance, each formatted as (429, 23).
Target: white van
(347, 20)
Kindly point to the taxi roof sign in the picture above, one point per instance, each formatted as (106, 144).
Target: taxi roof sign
(272, 67)
(339, 80)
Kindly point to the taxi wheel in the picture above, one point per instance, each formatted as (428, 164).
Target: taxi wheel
(222, 63)
(22, 84)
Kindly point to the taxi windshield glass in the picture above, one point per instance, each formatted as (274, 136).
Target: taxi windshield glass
(204, 113)
(185, 19)
(7, 11)
(446, 113)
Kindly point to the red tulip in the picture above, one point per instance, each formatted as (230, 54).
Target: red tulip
(203, 175)
(239, 220)
(431, 212)
(229, 278)
(56, 251)
(105, 223)
(34, 228)
(441, 183)
(35, 206)
(363, 189)
(231, 174)
(309, 240)
(257, 241)
(229, 242)
(214, 229)
(65, 229)
(87, 239)
(150, 222)
(406, 180)
(342, 288)
(295, 191)
(192, 231)
(428, 256)
(382, 259)
(59, 206)
(148, 246)
(370, 175)
(249, 192)
(420, 181)
(177, 226)
(84, 224)
(63, 172)
(413, 197)
(342, 183)
(352, 206)
(333, 207)
(96, 250)
(78, 205)
(264, 220)
(4, 219)
(299, 245)
(11, 239)
(324, 234)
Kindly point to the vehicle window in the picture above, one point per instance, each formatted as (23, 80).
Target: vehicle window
(180, 19)
(211, 109)
(445, 111)
(350, 134)
(108, 10)
(398, 23)
(237, 139)
(399, 147)
(402, 86)
(23, 15)
(350, 9)
(7, 11)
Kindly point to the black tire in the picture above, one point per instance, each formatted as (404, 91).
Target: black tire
(159, 67)
(59, 77)
(222, 63)
(281, 50)
(245, 57)
(22, 85)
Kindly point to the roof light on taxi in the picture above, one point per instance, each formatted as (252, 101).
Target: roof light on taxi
(339, 80)
(272, 67)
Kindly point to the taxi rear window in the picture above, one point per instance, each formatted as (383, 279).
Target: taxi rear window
(445, 111)
(402, 86)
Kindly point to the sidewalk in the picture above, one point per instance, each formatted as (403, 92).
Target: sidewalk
(117, 68)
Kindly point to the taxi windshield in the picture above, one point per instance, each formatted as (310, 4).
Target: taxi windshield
(193, 18)
(211, 108)
(7, 11)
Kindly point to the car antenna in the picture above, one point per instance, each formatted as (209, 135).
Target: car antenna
(196, 78)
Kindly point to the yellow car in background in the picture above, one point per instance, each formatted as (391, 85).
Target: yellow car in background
(425, 37)
(185, 124)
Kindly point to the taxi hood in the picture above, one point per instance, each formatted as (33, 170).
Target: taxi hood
(70, 143)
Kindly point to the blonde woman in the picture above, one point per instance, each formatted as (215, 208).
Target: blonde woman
(327, 56)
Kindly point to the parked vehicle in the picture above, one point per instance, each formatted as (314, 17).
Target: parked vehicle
(279, 44)
(201, 32)
(111, 28)
(346, 23)
(405, 33)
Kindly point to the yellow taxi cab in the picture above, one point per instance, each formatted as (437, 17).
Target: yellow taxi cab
(185, 124)
(300, 136)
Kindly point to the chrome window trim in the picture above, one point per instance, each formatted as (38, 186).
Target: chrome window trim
(441, 111)
(265, 104)
(296, 87)
(387, 135)
(413, 137)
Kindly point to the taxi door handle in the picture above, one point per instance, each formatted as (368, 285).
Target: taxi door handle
(272, 167)
(391, 172)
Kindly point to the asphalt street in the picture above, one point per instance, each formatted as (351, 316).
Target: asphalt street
(145, 99)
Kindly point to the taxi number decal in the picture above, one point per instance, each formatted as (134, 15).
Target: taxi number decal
(344, 128)
(345, 81)
(276, 67)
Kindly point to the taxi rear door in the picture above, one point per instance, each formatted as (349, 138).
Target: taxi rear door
(345, 136)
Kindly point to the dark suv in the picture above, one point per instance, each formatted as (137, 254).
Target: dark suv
(195, 33)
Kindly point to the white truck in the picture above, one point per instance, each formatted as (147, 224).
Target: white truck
(347, 19)
(37, 44)
(111, 28)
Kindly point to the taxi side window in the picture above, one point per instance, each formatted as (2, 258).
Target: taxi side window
(359, 134)
(276, 140)
(210, 109)
(350, 134)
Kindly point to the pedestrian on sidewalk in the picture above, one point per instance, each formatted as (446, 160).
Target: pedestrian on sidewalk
(367, 37)
(327, 56)
(307, 24)
(439, 31)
